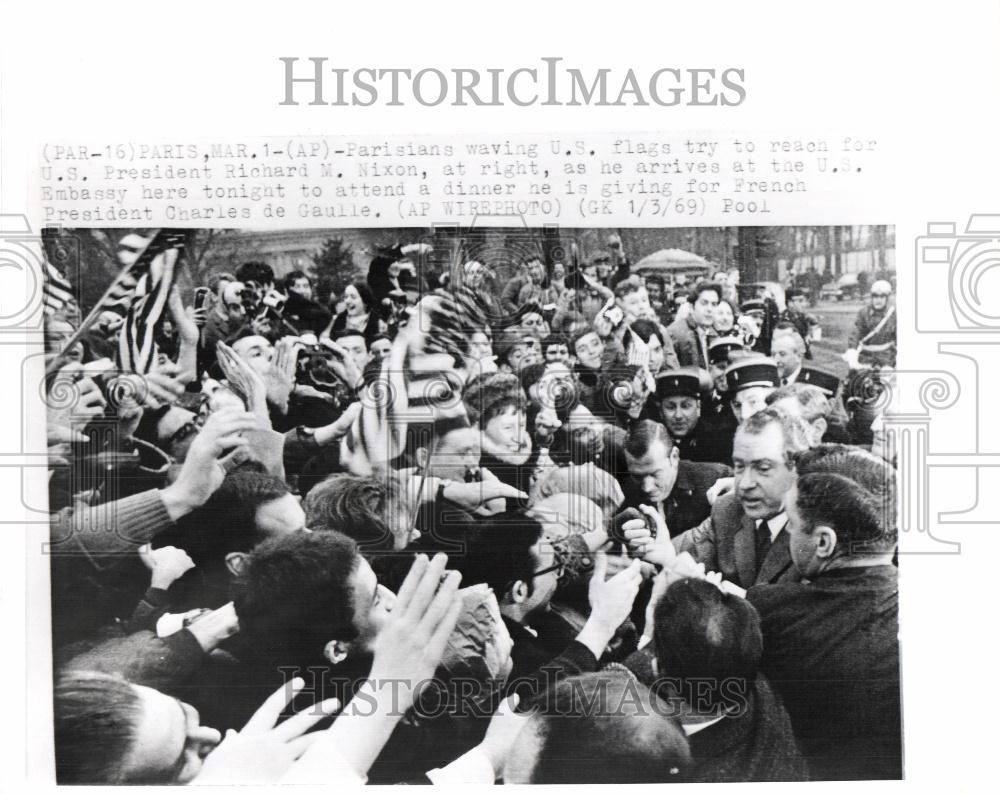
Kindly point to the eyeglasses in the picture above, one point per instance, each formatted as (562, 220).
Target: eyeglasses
(559, 566)
(881, 294)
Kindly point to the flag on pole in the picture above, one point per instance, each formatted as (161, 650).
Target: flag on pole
(152, 271)
(56, 290)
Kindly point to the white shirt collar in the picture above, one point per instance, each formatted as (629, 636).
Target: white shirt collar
(693, 727)
(775, 524)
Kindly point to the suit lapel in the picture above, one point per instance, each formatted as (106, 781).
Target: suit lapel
(743, 549)
(777, 560)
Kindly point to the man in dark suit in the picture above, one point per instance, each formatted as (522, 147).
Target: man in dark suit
(704, 659)
(658, 477)
(831, 643)
(744, 538)
(689, 335)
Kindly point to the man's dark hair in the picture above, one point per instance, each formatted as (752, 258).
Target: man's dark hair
(704, 286)
(645, 330)
(794, 431)
(227, 521)
(606, 727)
(627, 286)
(242, 332)
(644, 435)
(357, 507)
(96, 716)
(814, 403)
(702, 633)
(578, 336)
(531, 374)
(295, 595)
(290, 279)
(554, 339)
(851, 491)
(498, 552)
(350, 332)
(255, 271)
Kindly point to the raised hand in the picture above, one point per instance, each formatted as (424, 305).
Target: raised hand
(88, 403)
(408, 650)
(245, 381)
(219, 445)
(263, 752)
(473, 495)
(720, 487)
(165, 384)
(610, 603)
(212, 627)
(410, 645)
(167, 564)
(280, 377)
(342, 365)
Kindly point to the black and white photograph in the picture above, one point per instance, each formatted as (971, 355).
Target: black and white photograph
(541, 394)
(472, 504)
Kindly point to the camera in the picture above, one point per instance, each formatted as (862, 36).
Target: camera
(314, 367)
(201, 297)
(251, 297)
(274, 301)
(966, 268)
(615, 530)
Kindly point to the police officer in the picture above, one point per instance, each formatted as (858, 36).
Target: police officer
(873, 340)
(678, 396)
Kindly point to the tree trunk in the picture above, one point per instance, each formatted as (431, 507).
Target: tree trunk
(746, 253)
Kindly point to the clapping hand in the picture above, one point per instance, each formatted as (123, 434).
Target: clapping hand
(410, 645)
(244, 381)
(342, 365)
(280, 377)
(219, 446)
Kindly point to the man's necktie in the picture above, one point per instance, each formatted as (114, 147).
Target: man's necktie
(763, 542)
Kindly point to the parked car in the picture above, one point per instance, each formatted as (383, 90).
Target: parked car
(844, 288)
(831, 291)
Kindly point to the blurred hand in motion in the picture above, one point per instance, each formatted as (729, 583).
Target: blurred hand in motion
(88, 403)
(164, 384)
(264, 751)
(343, 365)
(244, 381)
(167, 564)
(610, 603)
(611, 599)
(720, 487)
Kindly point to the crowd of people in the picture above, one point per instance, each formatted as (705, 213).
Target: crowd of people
(580, 526)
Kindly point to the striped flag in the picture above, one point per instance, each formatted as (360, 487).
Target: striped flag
(56, 290)
(130, 248)
(152, 273)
